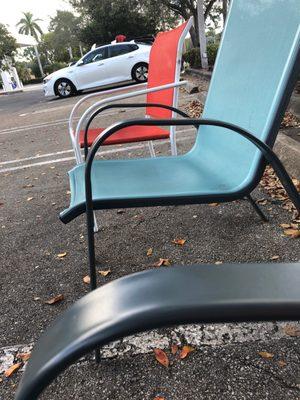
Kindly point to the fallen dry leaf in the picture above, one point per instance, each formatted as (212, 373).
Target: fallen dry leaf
(282, 363)
(161, 357)
(29, 198)
(105, 273)
(162, 261)
(294, 233)
(149, 252)
(55, 299)
(24, 356)
(179, 242)
(285, 226)
(266, 355)
(213, 204)
(87, 279)
(159, 398)
(12, 369)
(174, 349)
(186, 350)
(274, 258)
(62, 255)
(292, 330)
(218, 262)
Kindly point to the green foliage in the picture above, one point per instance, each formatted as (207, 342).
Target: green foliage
(212, 51)
(49, 68)
(193, 56)
(24, 72)
(104, 20)
(29, 25)
(8, 44)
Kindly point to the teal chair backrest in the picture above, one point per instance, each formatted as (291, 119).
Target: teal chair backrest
(252, 81)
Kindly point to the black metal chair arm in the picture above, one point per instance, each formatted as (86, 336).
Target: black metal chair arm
(156, 298)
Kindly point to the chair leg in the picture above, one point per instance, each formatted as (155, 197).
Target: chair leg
(151, 148)
(173, 141)
(92, 262)
(257, 209)
(96, 226)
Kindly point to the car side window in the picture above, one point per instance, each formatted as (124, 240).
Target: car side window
(119, 49)
(96, 55)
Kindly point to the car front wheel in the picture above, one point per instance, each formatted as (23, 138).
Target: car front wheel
(140, 72)
(64, 88)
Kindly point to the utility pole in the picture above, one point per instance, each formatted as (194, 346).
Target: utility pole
(202, 37)
(38, 60)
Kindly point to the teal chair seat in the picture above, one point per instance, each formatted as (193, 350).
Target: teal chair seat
(167, 179)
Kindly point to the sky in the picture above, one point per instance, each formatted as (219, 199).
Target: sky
(42, 9)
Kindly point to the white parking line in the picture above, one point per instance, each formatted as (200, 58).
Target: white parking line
(53, 123)
(60, 160)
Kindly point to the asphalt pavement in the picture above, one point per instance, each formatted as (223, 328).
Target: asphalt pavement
(35, 157)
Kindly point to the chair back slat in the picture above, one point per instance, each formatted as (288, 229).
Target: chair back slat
(164, 68)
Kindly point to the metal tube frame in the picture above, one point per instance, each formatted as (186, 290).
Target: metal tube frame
(266, 151)
(126, 105)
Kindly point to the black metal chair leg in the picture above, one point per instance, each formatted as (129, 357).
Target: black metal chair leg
(258, 210)
(92, 262)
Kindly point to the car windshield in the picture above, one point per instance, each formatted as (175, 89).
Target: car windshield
(96, 55)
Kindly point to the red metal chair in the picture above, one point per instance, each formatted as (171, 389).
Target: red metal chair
(162, 88)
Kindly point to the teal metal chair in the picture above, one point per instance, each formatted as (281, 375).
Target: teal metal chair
(255, 72)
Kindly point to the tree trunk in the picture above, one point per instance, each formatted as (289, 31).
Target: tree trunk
(39, 61)
(70, 52)
(202, 37)
(225, 10)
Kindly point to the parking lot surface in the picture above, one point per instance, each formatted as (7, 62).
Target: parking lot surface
(36, 155)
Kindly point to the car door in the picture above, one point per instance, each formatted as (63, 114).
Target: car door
(121, 61)
(90, 71)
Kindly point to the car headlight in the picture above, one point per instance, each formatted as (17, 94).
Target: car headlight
(47, 79)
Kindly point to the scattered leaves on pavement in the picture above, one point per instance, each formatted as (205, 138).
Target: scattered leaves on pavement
(62, 255)
(105, 273)
(12, 369)
(274, 188)
(194, 108)
(290, 121)
(282, 363)
(24, 356)
(292, 330)
(87, 279)
(55, 299)
(162, 262)
(293, 233)
(174, 349)
(149, 252)
(162, 357)
(186, 350)
(179, 242)
(266, 355)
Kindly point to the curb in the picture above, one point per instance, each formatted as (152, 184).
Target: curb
(288, 150)
(199, 72)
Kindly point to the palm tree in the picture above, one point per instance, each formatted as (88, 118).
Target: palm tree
(29, 25)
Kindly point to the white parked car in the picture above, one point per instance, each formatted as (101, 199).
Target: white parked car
(102, 66)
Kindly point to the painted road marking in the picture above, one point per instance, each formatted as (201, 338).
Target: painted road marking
(63, 152)
(216, 335)
(60, 160)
